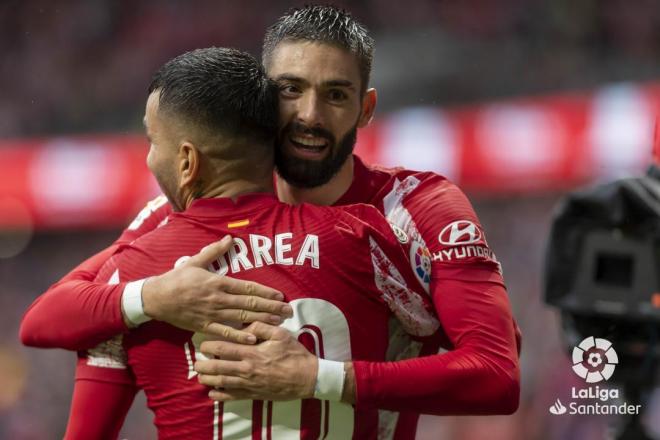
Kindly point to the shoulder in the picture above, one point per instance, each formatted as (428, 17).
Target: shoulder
(437, 216)
(155, 251)
(423, 196)
(359, 216)
(148, 219)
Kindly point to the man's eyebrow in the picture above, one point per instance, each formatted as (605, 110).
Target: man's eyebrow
(339, 83)
(290, 77)
(329, 83)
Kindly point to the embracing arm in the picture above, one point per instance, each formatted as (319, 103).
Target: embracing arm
(479, 376)
(78, 313)
(75, 313)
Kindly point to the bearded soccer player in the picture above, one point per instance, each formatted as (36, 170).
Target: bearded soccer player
(211, 117)
(321, 58)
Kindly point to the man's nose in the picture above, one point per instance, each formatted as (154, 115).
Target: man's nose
(310, 111)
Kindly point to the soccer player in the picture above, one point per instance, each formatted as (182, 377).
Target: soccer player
(321, 57)
(211, 118)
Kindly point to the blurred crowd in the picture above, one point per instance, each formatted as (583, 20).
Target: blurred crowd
(80, 66)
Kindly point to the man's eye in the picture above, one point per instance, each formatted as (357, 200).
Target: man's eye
(336, 95)
(289, 90)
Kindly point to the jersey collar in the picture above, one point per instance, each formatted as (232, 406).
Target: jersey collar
(211, 207)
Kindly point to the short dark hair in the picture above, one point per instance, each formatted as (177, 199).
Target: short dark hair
(224, 91)
(324, 24)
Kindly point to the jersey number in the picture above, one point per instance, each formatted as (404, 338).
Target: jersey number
(322, 327)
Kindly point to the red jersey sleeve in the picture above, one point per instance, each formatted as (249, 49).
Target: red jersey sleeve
(105, 386)
(480, 375)
(76, 313)
(393, 276)
(98, 409)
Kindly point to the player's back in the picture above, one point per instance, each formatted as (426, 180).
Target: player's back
(338, 272)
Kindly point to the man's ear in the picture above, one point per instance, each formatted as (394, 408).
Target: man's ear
(189, 164)
(368, 107)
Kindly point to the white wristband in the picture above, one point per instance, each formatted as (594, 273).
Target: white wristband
(131, 303)
(329, 380)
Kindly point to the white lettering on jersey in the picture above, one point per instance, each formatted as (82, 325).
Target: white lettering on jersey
(261, 249)
(461, 252)
(309, 250)
(239, 258)
(281, 248)
(259, 253)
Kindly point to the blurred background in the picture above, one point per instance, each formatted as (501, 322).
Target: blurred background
(517, 101)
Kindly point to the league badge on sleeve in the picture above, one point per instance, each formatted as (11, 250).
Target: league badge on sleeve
(420, 258)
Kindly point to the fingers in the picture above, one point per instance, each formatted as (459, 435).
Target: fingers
(228, 333)
(267, 332)
(256, 304)
(244, 316)
(219, 367)
(226, 350)
(228, 395)
(210, 253)
(251, 288)
(226, 382)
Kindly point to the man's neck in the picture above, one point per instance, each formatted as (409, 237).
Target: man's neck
(232, 190)
(326, 194)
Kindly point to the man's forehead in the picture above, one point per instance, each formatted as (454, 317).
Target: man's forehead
(313, 61)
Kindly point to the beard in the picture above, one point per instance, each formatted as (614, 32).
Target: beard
(306, 173)
(167, 183)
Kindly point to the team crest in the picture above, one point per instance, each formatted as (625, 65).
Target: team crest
(420, 257)
(399, 233)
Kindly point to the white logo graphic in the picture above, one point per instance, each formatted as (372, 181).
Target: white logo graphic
(400, 234)
(557, 408)
(460, 232)
(594, 359)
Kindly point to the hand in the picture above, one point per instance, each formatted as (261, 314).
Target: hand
(279, 368)
(192, 298)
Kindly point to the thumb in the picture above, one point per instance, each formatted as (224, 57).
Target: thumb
(210, 253)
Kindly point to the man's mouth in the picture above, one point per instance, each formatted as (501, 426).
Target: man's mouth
(310, 147)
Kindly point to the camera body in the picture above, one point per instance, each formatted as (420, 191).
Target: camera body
(602, 268)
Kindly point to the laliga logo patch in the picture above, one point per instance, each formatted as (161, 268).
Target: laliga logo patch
(594, 359)
(460, 232)
(420, 258)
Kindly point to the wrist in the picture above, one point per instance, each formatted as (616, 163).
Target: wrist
(330, 378)
(349, 394)
(149, 302)
(132, 305)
